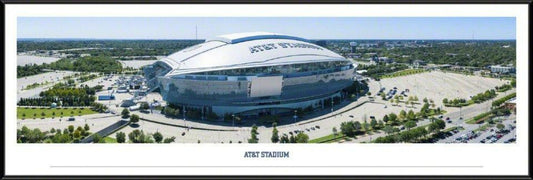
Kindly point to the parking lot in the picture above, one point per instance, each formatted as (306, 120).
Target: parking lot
(438, 85)
(472, 134)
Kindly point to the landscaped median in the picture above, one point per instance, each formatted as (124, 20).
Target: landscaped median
(503, 99)
(479, 118)
(329, 138)
(403, 73)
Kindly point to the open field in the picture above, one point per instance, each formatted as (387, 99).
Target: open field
(96, 122)
(26, 59)
(49, 112)
(50, 77)
(136, 63)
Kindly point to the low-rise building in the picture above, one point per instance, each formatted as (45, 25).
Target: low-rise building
(502, 69)
(417, 63)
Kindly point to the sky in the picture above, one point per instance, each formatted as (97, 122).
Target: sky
(305, 27)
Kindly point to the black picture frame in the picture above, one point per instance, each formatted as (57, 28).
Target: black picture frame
(7, 2)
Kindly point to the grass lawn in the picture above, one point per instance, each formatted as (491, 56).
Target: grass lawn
(110, 140)
(328, 138)
(27, 112)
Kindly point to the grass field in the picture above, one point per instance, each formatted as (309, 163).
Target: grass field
(110, 140)
(403, 73)
(28, 113)
(328, 138)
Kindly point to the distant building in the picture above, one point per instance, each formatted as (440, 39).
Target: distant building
(353, 55)
(417, 63)
(353, 46)
(511, 104)
(382, 59)
(502, 69)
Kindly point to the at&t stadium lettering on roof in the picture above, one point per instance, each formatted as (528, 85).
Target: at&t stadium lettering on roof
(270, 46)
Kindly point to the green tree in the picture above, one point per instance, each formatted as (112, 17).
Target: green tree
(169, 140)
(86, 127)
(388, 129)
(292, 139)
(97, 138)
(410, 124)
(253, 132)
(386, 118)
(134, 118)
(284, 139)
(76, 134)
(275, 135)
(411, 115)
(121, 137)
(334, 130)
(125, 113)
(158, 137)
(403, 115)
(393, 117)
(71, 128)
(302, 138)
(373, 123)
(347, 128)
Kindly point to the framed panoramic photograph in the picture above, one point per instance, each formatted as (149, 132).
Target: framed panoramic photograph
(295, 90)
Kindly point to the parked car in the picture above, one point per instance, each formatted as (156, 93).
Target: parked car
(482, 141)
(71, 119)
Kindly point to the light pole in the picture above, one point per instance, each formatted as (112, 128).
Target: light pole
(460, 112)
(233, 122)
(184, 117)
(295, 116)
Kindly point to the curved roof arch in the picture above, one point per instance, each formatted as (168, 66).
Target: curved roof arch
(247, 50)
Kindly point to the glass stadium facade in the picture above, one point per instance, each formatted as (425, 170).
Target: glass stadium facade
(251, 74)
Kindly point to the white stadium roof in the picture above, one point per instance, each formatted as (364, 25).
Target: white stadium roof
(247, 50)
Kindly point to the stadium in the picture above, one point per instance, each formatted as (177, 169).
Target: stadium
(251, 74)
